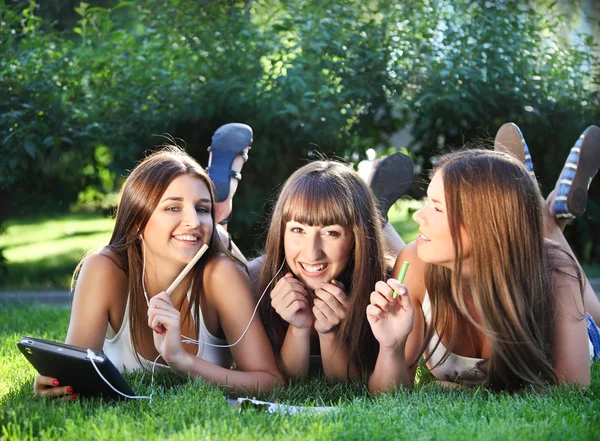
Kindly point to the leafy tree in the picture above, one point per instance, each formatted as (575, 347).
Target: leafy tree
(84, 94)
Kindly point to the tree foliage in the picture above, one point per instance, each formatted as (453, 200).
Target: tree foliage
(85, 93)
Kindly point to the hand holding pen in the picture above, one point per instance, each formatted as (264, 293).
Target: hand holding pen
(390, 312)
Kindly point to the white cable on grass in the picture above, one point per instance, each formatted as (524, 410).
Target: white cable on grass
(91, 356)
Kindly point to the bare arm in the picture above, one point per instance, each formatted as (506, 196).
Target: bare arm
(390, 318)
(330, 307)
(257, 368)
(287, 297)
(335, 359)
(101, 292)
(554, 232)
(100, 296)
(571, 350)
(294, 357)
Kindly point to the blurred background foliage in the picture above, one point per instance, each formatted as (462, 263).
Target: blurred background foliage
(88, 88)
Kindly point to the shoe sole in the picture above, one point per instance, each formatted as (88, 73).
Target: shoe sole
(509, 139)
(587, 164)
(385, 185)
(228, 142)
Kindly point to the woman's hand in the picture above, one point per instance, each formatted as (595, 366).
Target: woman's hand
(330, 306)
(49, 387)
(391, 319)
(165, 322)
(290, 299)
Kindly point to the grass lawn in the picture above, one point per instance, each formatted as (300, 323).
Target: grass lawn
(42, 253)
(183, 410)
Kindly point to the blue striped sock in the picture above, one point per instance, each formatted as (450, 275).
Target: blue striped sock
(565, 180)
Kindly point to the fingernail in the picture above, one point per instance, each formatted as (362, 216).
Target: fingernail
(69, 389)
(74, 396)
(54, 382)
(158, 330)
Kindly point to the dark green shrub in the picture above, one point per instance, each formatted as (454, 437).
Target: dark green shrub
(84, 94)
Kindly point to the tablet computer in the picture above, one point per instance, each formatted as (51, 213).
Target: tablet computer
(72, 366)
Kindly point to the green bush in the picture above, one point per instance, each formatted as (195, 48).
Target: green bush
(488, 63)
(85, 93)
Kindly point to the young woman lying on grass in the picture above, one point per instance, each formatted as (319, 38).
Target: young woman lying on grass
(324, 252)
(487, 300)
(120, 306)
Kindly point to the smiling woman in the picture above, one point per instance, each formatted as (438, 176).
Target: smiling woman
(323, 253)
(165, 215)
(491, 297)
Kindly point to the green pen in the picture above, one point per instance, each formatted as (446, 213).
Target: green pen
(403, 271)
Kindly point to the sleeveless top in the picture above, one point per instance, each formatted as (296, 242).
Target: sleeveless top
(118, 347)
(456, 367)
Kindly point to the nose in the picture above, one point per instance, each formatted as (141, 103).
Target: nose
(313, 250)
(418, 216)
(190, 218)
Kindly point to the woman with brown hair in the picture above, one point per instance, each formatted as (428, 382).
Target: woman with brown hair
(324, 252)
(165, 215)
(487, 299)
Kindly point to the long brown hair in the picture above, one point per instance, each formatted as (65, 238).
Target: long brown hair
(139, 197)
(327, 193)
(512, 268)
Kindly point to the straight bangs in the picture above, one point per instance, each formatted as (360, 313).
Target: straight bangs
(317, 201)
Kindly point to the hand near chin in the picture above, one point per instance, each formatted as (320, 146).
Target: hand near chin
(165, 322)
(391, 319)
(330, 306)
(289, 298)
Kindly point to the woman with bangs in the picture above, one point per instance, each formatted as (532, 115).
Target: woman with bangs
(165, 215)
(324, 252)
(487, 298)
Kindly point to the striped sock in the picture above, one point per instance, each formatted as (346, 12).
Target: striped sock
(565, 181)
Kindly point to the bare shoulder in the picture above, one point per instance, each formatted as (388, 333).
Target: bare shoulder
(101, 273)
(415, 276)
(223, 273)
(102, 265)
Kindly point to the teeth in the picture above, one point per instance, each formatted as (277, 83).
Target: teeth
(314, 268)
(188, 237)
(423, 236)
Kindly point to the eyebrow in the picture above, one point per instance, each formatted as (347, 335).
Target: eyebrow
(179, 199)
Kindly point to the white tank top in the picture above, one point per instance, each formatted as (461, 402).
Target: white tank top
(118, 347)
(456, 367)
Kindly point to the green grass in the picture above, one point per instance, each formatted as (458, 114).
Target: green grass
(42, 253)
(400, 216)
(183, 410)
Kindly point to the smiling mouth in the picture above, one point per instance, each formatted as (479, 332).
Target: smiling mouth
(187, 238)
(422, 236)
(313, 269)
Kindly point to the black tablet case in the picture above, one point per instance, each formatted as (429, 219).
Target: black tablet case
(71, 366)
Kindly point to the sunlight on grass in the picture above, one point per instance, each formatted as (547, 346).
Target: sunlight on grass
(400, 216)
(42, 253)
